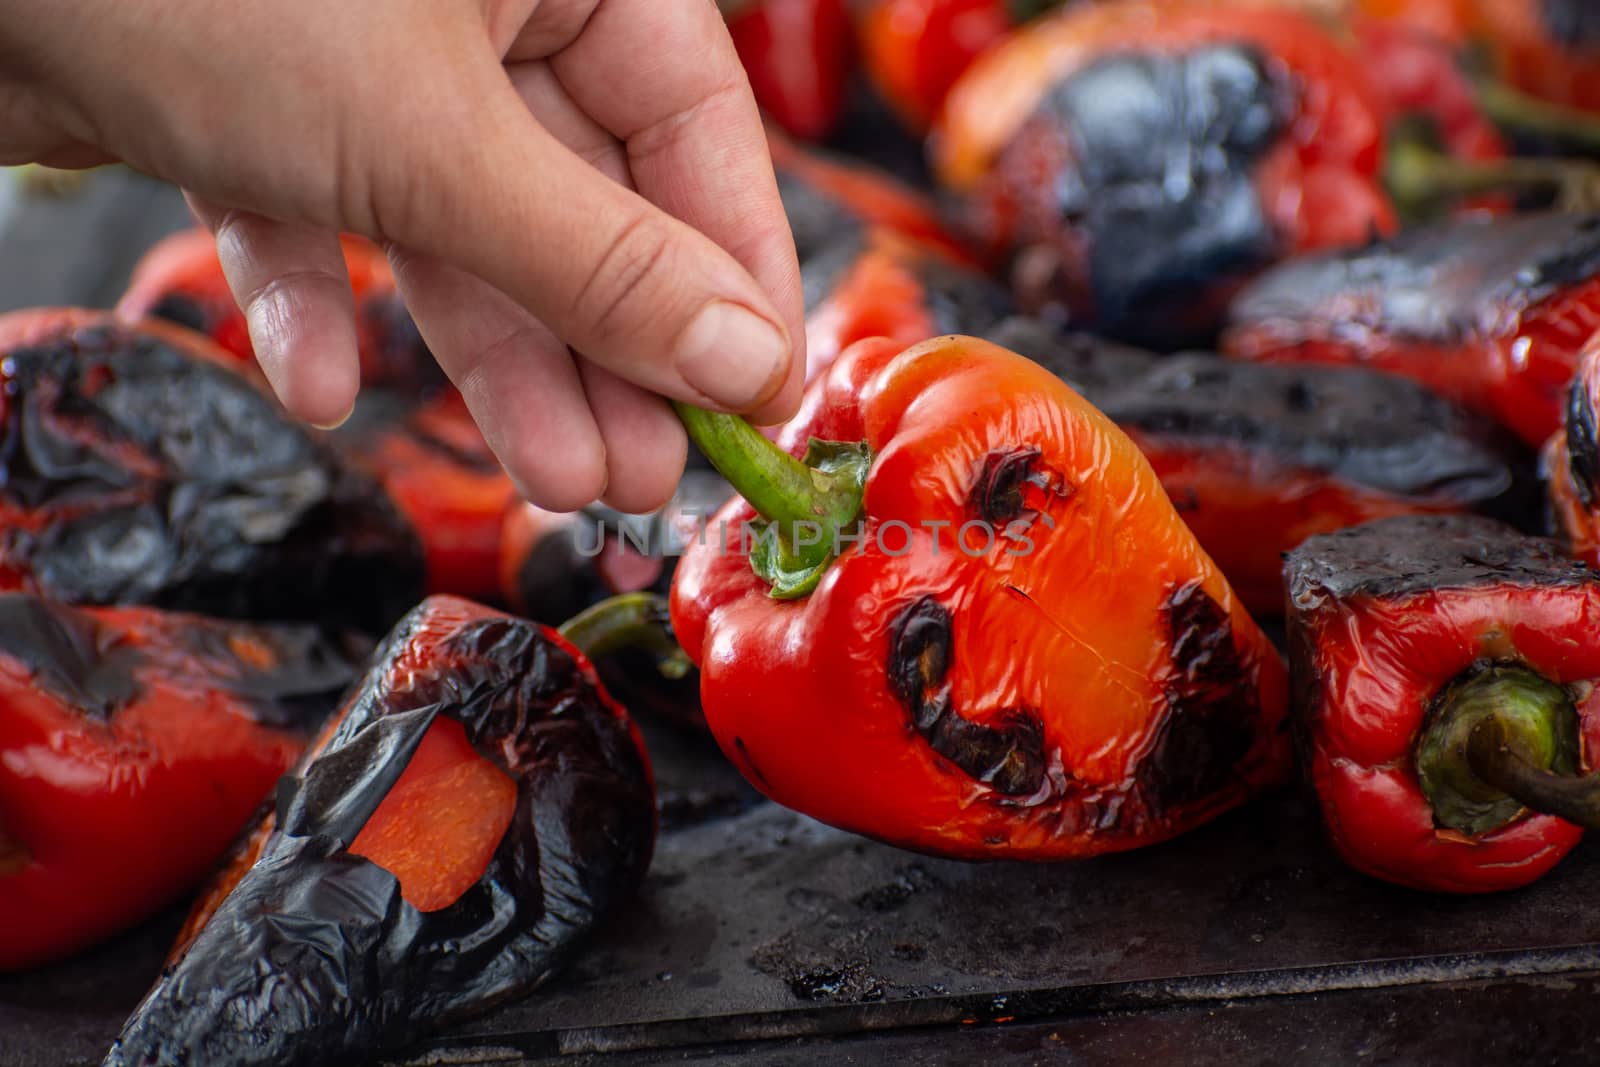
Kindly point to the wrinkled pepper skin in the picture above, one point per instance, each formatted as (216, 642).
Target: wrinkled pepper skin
(887, 285)
(1491, 313)
(1549, 49)
(442, 475)
(134, 744)
(1258, 458)
(1086, 684)
(914, 50)
(1382, 618)
(799, 55)
(1139, 161)
(318, 954)
(140, 467)
(180, 280)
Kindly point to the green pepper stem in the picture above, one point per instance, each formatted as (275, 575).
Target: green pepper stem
(806, 504)
(1420, 177)
(1499, 740)
(1494, 759)
(1511, 109)
(632, 620)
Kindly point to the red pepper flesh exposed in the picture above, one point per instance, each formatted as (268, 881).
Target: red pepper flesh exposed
(1389, 624)
(1140, 160)
(133, 746)
(1491, 313)
(141, 467)
(1083, 682)
(319, 953)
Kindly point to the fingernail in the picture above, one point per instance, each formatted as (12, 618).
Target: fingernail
(329, 427)
(732, 355)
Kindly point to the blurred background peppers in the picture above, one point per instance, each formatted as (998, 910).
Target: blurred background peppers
(1445, 674)
(1067, 675)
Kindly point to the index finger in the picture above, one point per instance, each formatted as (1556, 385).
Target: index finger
(695, 144)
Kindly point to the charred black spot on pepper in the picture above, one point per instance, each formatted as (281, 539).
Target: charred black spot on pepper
(961, 300)
(1211, 704)
(183, 310)
(1441, 282)
(1574, 23)
(1159, 180)
(1009, 757)
(316, 957)
(1411, 554)
(161, 478)
(997, 497)
(1583, 449)
(1092, 366)
(68, 655)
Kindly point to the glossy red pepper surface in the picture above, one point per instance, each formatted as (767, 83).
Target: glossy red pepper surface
(1086, 682)
(914, 50)
(799, 55)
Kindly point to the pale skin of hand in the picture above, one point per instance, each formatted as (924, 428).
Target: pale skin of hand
(544, 174)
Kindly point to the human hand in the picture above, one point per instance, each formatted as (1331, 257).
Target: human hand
(544, 173)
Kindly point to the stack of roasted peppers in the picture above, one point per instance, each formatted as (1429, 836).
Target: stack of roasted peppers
(994, 593)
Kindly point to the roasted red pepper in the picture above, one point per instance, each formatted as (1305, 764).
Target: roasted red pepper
(888, 285)
(141, 467)
(1491, 313)
(1025, 654)
(444, 478)
(133, 745)
(1142, 159)
(1256, 458)
(479, 805)
(180, 280)
(1445, 674)
(799, 55)
(914, 50)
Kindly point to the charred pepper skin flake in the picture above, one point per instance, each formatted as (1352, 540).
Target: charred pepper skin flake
(315, 957)
(140, 468)
(934, 685)
(1138, 161)
(1491, 313)
(1572, 463)
(1385, 618)
(120, 725)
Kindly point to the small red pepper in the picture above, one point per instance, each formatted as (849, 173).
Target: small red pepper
(1445, 683)
(1491, 313)
(1140, 160)
(477, 808)
(1024, 655)
(799, 55)
(133, 745)
(914, 50)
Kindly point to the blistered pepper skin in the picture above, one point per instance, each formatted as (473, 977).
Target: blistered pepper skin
(1491, 313)
(134, 744)
(1139, 161)
(1572, 462)
(1097, 689)
(315, 956)
(1382, 618)
(141, 467)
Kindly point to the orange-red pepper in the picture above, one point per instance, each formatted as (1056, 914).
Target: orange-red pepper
(799, 55)
(1025, 654)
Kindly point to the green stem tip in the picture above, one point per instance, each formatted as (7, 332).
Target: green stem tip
(805, 504)
(1422, 179)
(632, 620)
(1501, 740)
